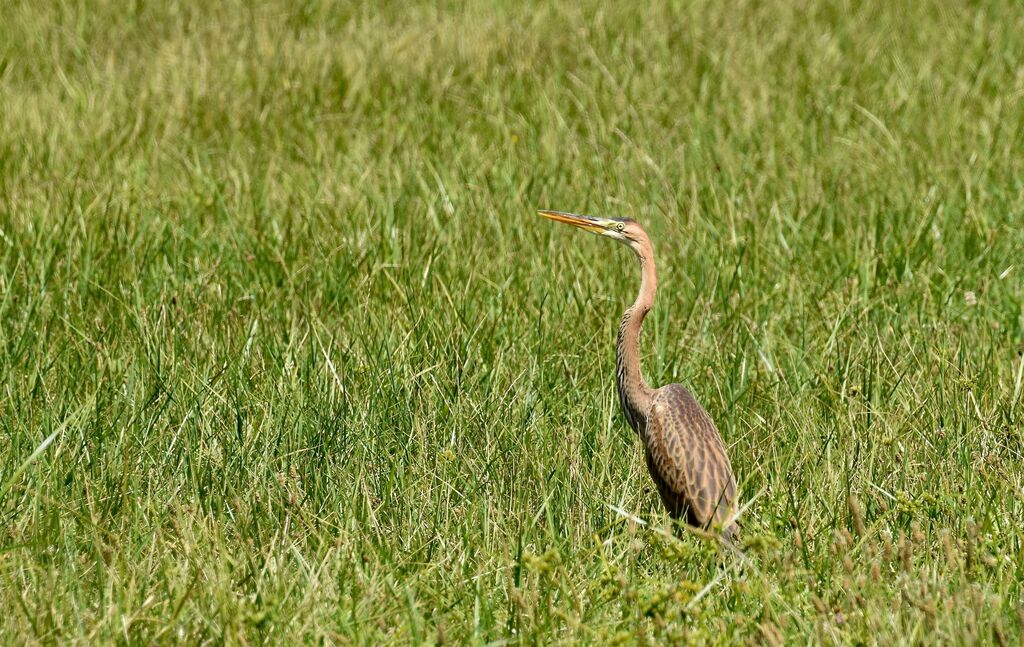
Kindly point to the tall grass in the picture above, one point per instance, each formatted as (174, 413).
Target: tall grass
(313, 371)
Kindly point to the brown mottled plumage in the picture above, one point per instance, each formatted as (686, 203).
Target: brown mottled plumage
(685, 454)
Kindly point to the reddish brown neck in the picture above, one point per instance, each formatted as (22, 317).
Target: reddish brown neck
(634, 394)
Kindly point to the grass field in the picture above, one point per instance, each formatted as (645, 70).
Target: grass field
(287, 356)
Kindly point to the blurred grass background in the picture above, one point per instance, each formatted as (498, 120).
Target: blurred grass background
(271, 279)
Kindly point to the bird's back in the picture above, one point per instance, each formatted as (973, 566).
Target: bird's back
(687, 459)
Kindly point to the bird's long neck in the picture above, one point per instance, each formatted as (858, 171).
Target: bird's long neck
(634, 394)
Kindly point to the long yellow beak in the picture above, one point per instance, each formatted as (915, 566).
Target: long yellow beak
(583, 222)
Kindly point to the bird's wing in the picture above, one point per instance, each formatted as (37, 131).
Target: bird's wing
(689, 455)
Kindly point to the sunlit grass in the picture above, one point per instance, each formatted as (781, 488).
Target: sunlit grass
(272, 280)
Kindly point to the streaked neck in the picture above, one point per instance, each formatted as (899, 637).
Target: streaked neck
(634, 394)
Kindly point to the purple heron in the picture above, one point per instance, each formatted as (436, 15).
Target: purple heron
(685, 454)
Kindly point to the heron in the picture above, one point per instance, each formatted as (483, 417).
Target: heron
(684, 451)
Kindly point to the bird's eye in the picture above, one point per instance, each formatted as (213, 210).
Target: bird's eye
(620, 226)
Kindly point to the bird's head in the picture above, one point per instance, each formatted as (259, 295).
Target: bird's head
(624, 230)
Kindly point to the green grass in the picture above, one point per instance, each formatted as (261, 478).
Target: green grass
(271, 278)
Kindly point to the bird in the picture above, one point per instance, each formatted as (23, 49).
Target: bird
(684, 452)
